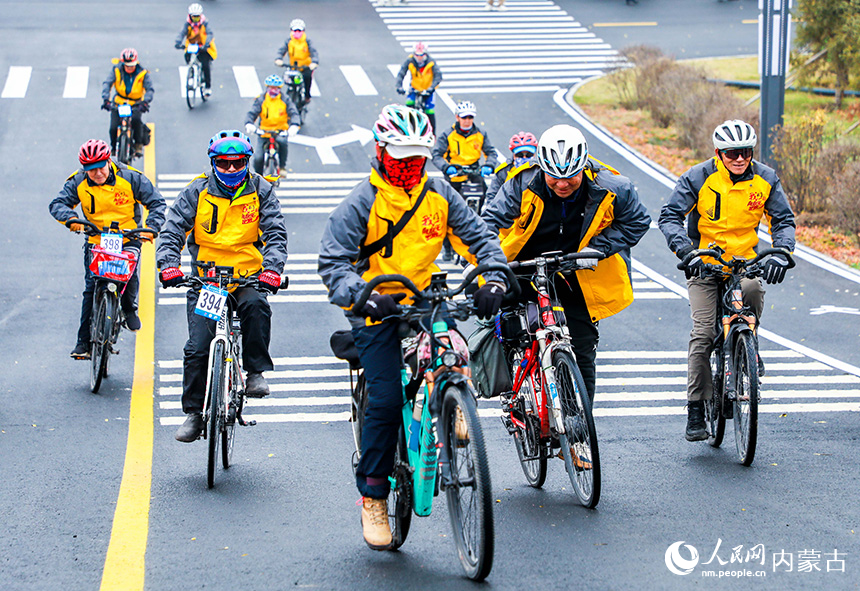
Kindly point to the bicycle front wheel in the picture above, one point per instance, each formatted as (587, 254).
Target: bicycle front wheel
(235, 402)
(467, 488)
(100, 336)
(215, 418)
(746, 398)
(400, 497)
(714, 417)
(530, 449)
(359, 405)
(191, 87)
(124, 149)
(579, 441)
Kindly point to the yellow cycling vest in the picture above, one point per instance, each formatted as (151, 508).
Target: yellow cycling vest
(273, 113)
(607, 289)
(226, 232)
(300, 54)
(124, 95)
(200, 39)
(421, 79)
(105, 204)
(464, 150)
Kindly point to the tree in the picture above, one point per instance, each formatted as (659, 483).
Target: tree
(834, 26)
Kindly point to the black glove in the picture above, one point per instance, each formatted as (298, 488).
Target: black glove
(178, 45)
(696, 265)
(401, 90)
(379, 306)
(775, 268)
(106, 105)
(488, 300)
(144, 107)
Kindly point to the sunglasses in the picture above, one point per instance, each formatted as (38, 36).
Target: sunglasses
(195, 19)
(225, 165)
(736, 153)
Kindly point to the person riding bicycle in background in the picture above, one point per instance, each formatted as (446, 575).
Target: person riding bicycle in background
(570, 202)
(426, 76)
(198, 30)
(107, 192)
(351, 255)
(723, 200)
(523, 147)
(302, 55)
(132, 85)
(275, 109)
(231, 217)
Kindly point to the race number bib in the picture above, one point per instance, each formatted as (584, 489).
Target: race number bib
(211, 302)
(124, 110)
(193, 48)
(112, 242)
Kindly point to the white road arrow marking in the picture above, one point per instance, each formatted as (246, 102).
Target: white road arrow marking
(325, 145)
(828, 309)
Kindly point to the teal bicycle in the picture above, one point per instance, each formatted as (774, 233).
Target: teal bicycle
(440, 446)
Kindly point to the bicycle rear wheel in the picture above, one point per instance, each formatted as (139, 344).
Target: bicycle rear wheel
(101, 326)
(746, 400)
(215, 418)
(467, 487)
(579, 441)
(191, 84)
(714, 418)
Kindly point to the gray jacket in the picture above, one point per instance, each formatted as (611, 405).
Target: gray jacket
(110, 81)
(257, 108)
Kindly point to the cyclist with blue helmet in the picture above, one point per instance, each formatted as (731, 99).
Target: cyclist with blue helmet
(276, 112)
(231, 216)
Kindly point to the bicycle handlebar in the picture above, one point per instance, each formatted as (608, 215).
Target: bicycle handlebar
(90, 229)
(559, 259)
(740, 264)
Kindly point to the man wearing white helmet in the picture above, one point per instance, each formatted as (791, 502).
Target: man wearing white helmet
(197, 30)
(425, 77)
(723, 200)
(570, 202)
(300, 53)
(360, 242)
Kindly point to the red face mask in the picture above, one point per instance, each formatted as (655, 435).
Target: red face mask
(405, 172)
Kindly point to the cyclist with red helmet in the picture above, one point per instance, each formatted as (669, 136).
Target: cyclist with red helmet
(301, 55)
(523, 147)
(198, 30)
(107, 192)
(232, 217)
(426, 76)
(132, 85)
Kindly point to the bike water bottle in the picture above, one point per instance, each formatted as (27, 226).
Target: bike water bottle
(415, 425)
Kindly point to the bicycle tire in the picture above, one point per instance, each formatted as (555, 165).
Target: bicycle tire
(359, 405)
(123, 149)
(215, 416)
(470, 479)
(191, 87)
(270, 168)
(400, 497)
(99, 335)
(531, 452)
(714, 418)
(234, 407)
(200, 88)
(580, 436)
(746, 400)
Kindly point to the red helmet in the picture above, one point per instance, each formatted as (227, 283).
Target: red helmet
(128, 56)
(523, 141)
(420, 48)
(94, 154)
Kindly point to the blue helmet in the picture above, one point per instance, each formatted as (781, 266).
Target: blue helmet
(274, 80)
(230, 142)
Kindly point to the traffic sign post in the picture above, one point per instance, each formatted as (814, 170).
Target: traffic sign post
(774, 23)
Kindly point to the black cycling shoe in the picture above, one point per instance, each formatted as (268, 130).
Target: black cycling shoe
(132, 322)
(191, 429)
(256, 386)
(81, 351)
(696, 430)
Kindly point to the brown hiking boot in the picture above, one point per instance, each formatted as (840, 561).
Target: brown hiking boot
(374, 522)
(461, 429)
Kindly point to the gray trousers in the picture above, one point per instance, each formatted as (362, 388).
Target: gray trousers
(703, 310)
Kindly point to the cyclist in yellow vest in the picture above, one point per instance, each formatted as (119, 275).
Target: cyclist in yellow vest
(426, 76)
(197, 30)
(107, 192)
(275, 109)
(131, 85)
(301, 55)
(232, 217)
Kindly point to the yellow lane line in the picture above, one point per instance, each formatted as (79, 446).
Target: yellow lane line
(124, 564)
(749, 21)
(641, 24)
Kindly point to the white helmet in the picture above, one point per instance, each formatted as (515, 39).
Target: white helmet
(562, 151)
(297, 24)
(404, 131)
(466, 108)
(195, 9)
(734, 134)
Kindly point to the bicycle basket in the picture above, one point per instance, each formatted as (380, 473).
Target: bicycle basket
(118, 266)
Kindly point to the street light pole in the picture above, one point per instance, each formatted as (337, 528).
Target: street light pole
(774, 22)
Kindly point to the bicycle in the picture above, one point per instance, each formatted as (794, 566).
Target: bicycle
(194, 78)
(734, 359)
(125, 133)
(548, 406)
(473, 188)
(457, 465)
(112, 267)
(225, 382)
(271, 159)
(296, 91)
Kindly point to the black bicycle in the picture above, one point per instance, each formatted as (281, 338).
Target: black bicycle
(125, 132)
(295, 83)
(734, 360)
(112, 267)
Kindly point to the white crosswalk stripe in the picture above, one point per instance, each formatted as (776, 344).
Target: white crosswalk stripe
(316, 389)
(533, 46)
(17, 82)
(77, 78)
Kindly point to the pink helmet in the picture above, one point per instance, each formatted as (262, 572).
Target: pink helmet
(128, 56)
(420, 48)
(523, 141)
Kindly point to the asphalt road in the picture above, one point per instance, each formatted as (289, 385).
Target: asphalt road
(284, 515)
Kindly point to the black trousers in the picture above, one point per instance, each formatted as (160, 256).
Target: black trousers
(255, 317)
(136, 127)
(206, 66)
(128, 300)
(263, 147)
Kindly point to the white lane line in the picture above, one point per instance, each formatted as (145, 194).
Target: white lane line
(315, 89)
(526, 68)
(466, 90)
(603, 397)
(294, 387)
(506, 41)
(766, 380)
(77, 78)
(275, 299)
(248, 81)
(767, 354)
(277, 374)
(514, 60)
(651, 295)
(299, 417)
(358, 80)
(276, 402)
(183, 80)
(17, 82)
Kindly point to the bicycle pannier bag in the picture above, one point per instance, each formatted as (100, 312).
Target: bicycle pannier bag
(490, 372)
